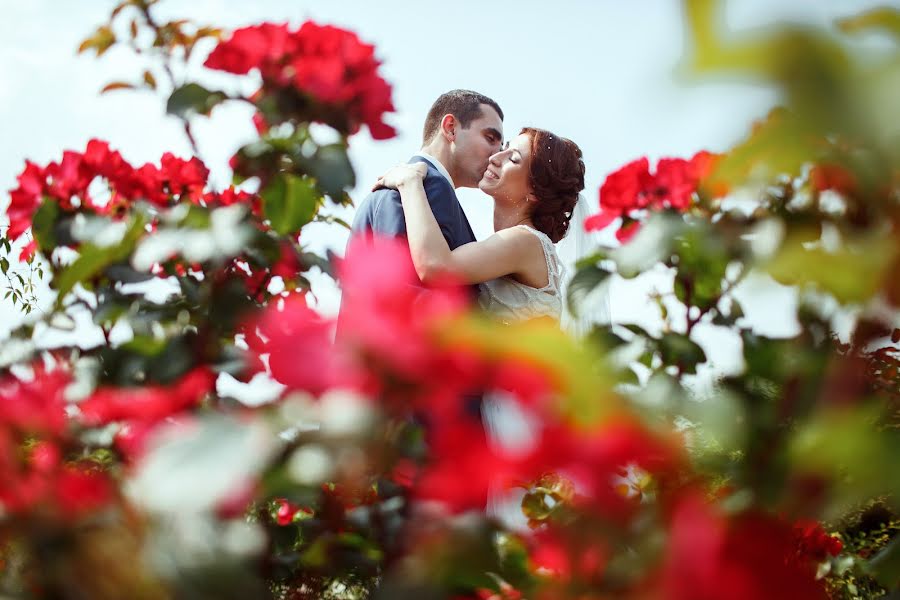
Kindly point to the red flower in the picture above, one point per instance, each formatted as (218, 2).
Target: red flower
(743, 557)
(67, 183)
(28, 251)
(387, 319)
(25, 199)
(462, 468)
(81, 491)
(147, 404)
(832, 177)
(36, 480)
(35, 406)
(592, 457)
(675, 183)
(298, 342)
(566, 557)
(622, 189)
(633, 188)
(284, 514)
(288, 264)
(248, 48)
(186, 178)
(67, 179)
(329, 65)
(814, 543)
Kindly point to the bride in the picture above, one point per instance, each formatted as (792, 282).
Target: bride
(535, 183)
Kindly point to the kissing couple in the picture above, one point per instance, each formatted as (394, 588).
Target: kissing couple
(534, 180)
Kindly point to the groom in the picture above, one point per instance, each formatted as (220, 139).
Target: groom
(462, 130)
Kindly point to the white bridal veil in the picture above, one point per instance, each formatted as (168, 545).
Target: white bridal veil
(578, 243)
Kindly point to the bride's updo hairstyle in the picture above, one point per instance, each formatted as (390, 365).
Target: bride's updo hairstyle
(556, 176)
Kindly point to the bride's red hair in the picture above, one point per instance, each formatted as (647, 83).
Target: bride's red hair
(556, 176)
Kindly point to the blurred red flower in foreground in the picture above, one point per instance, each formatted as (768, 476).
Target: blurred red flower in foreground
(34, 477)
(140, 409)
(633, 188)
(388, 320)
(325, 64)
(298, 344)
(743, 557)
(832, 177)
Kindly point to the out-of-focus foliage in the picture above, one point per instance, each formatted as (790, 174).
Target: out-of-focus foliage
(429, 451)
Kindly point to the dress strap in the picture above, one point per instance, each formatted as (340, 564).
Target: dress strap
(552, 260)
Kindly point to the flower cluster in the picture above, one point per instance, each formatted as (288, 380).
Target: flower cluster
(814, 543)
(421, 373)
(628, 192)
(746, 556)
(334, 73)
(72, 183)
(35, 477)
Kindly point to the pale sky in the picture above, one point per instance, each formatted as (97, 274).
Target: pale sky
(601, 72)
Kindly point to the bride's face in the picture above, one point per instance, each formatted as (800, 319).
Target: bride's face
(506, 176)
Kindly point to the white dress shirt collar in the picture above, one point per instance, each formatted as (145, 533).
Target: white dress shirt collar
(437, 165)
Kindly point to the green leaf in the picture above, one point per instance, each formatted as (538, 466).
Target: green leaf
(42, 226)
(311, 259)
(146, 346)
(92, 260)
(884, 18)
(193, 99)
(331, 167)
(845, 446)
(585, 281)
(4, 265)
(679, 350)
(289, 202)
(885, 566)
(854, 273)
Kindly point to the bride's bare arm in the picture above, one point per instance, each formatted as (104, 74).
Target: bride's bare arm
(503, 253)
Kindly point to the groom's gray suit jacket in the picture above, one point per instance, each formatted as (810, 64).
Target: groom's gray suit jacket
(381, 212)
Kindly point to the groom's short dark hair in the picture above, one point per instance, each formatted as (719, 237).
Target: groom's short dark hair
(465, 105)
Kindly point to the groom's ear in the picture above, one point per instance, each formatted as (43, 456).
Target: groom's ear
(449, 125)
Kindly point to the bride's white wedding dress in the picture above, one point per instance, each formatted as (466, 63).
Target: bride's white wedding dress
(512, 301)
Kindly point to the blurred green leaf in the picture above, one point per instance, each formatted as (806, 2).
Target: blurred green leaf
(854, 273)
(311, 259)
(289, 202)
(885, 566)
(93, 259)
(679, 350)
(332, 170)
(193, 99)
(585, 281)
(42, 226)
(882, 18)
(847, 447)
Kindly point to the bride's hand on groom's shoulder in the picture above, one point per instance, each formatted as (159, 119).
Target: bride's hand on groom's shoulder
(401, 175)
